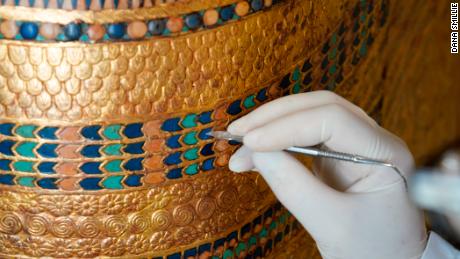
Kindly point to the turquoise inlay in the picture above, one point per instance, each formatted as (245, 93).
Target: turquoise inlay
(192, 169)
(252, 241)
(26, 131)
(263, 233)
(332, 69)
(26, 181)
(249, 102)
(24, 166)
(241, 247)
(296, 88)
(296, 74)
(113, 149)
(113, 166)
(273, 225)
(112, 132)
(113, 182)
(26, 149)
(332, 54)
(227, 254)
(189, 121)
(191, 154)
(190, 138)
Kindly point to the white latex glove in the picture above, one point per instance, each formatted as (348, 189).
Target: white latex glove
(352, 211)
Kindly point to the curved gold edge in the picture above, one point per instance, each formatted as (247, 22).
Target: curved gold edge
(107, 16)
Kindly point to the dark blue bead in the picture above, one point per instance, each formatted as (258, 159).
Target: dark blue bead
(325, 48)
(134, 148)
(246, 229)
(60, 3)
(218, 243)
(356, 41)
(133, 130)
(91, 132)
(191, 252)
(268, 213)
(306, 66)
(47, 183)
(207, 150)
(307, 79)
(91, 151)
(157, 258)
(174, 256)
(72, 31)
(257, 5)
(46, 167)
(6, 147)
(226, 12)
(278, 238)
(234, 108)
(173, 141)
(257, 220)
(234, 143)
(5, 165)
(88, 4)
(208, 164)
(262, 95)
(205, 117)
(204, 248)
(90, 183)
(173, 159)
(287, 229)
(171, 125)
(341, 44)
(258, 252)
(325, 62)
(47, 150)
(7, 179)
(91, 168)
(174, 173)
(133, 180)
(285, 82)
(342, 57)
(339, 77)
(134, 164)
(48, 133)
(157, 27)
(268, 245)
(233, 235)
(193, 21)
(204, 134)
(6, 129)
(116, 30)
(101, 3)
(277, 206)
(29, 30)
(342, 28)
(74, 4)
(324, 78)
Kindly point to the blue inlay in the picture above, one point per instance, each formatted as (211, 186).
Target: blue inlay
(268, 213)
(90, 183)
(91, 168)
(204, 134)
(257, 5)
(306, 66)
(234, 108)
(74, 4)
(5, 164)
(278, 238)
(262, 95)
(193, 21)
(47, 150)
(6, 147)
(246, 229)
(205, 117)
(134, 164)
(134, 148)
(60, 3)
(48, 132)
(204, 248)
(173, 159)
(173, 141)
(226, 12)
(133, 180)
(7, 179)
(191, 252)
(6, 129)
(207, 150)
(218, 243)
(171, 125)
(157, 27)
(46, 167)
(31, 2)
(101, 2)
(91, 151)
(174, 173)
(233, 235)
(208, 164)
(47, 183)
(258, 252)
(88, 4)
(174, 256)
(91, 132)
(285, 82)
(29, 30)
(116, 30)
(307, 79)
(46, 2)
(133, 130)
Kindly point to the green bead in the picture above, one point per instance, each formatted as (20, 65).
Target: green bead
(189, 121)
(191, 154)
(24, 166)
(296, 88)
(192, 169)
(228, 254)
(26, 131)
(26, 149)
(273, 225)
(113, 150)
(113, 166)
(113, 182)
(252, 241)
(241, 247)
(333, 39)
(283, 218)
(112, 132)
(249, 102)
(26, 181)
(332, 54)
(263, 233)
(363, 49)
(296, 74)
(332, 69)
(190, 138)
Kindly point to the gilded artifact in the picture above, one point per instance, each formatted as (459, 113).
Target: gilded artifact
(106, 107)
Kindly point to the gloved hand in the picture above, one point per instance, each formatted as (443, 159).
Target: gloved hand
(352, 211)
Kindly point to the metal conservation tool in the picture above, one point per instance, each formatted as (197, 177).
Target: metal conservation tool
(316, 152)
